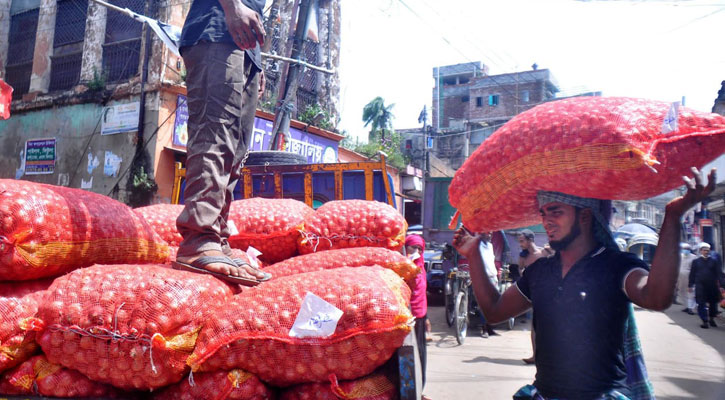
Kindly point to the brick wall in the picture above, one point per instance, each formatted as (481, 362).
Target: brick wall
(508, 104)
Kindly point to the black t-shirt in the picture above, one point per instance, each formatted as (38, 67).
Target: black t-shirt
(579, 323)
(205, 21)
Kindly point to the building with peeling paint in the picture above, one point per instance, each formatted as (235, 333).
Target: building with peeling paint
(90, 109)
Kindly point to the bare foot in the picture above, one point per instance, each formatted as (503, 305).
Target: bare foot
(244, 271)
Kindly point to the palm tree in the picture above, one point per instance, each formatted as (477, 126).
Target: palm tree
(378, 116)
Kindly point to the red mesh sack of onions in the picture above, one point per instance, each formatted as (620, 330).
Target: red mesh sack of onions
(353, 223)
(128, 325)
(269, 225)
(599, 147)
(353, 257)
(162, 218)
(219, 385)
(253, 331)
(38, 376)
(48, 230)
(376, 386)
(18, 304)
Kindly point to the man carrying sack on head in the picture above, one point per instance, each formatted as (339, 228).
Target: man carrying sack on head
(586, 340)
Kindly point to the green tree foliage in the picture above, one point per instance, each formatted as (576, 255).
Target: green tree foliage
(382, 137)
(317, 116)
(388, 142)
(379, 117)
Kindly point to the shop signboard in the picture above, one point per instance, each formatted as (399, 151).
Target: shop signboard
(40, 156)
(120, 118)
(181, 120)
(316, 148)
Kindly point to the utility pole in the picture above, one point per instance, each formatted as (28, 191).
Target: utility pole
(282, 119)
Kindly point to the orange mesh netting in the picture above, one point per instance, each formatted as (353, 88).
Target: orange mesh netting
(354, 257)
(162, 218)
(220, 385)
(269, 225)
(38, 376)
(376, 386)
(16, 345)
(18, 302)
(128, 325)
(353, 223)
(48, 230)
(252, 332)
(600, 147)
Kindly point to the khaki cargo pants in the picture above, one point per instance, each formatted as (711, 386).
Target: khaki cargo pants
(222, 84)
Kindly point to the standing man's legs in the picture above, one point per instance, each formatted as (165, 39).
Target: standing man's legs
(221, 95)
(702, 312)
(713, 312)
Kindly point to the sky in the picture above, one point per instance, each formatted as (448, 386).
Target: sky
(660, 50)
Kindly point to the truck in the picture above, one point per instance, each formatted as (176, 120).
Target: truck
(314, 184)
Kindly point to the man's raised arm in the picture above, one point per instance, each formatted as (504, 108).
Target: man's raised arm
(656, 289)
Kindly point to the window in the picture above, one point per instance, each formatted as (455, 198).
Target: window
(23, 27)
(524, 96)
(479, 101)
(121, 52)
(465, 99)
(70, 30)
(493, 100)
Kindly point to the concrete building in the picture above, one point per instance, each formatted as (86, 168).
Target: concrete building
(90, 109)
(469, 105)
(710, 224)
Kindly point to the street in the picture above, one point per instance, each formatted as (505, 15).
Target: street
(684, 361)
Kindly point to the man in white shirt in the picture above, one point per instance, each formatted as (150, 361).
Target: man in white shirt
(489, 265)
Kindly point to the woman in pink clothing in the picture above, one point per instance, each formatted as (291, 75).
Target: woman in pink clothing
(414, 248)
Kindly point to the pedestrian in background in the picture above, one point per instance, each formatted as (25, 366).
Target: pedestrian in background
(488, 258)
(415, 250)
(705, 278)
(220, 46)
(686, 296)
(530, 252)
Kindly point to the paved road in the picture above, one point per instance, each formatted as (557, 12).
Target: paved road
(684, 360)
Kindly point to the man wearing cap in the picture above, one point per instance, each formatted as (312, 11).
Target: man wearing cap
(586, 341)
(705, 277)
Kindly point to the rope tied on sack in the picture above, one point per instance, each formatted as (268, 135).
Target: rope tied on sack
(314, 239)
(113, 335)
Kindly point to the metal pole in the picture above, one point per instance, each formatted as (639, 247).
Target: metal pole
(114, 7)
(282, 119)
(300, 62)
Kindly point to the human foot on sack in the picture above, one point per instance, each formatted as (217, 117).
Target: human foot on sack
(221, 266)
(529, 361)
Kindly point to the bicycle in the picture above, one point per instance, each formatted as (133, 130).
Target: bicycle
(457, 291)
(503, 284)
(460, 303)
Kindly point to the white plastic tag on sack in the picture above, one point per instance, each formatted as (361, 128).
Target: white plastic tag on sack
(316, 318)
(253, 255)
(232, 228)
(670, 122)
